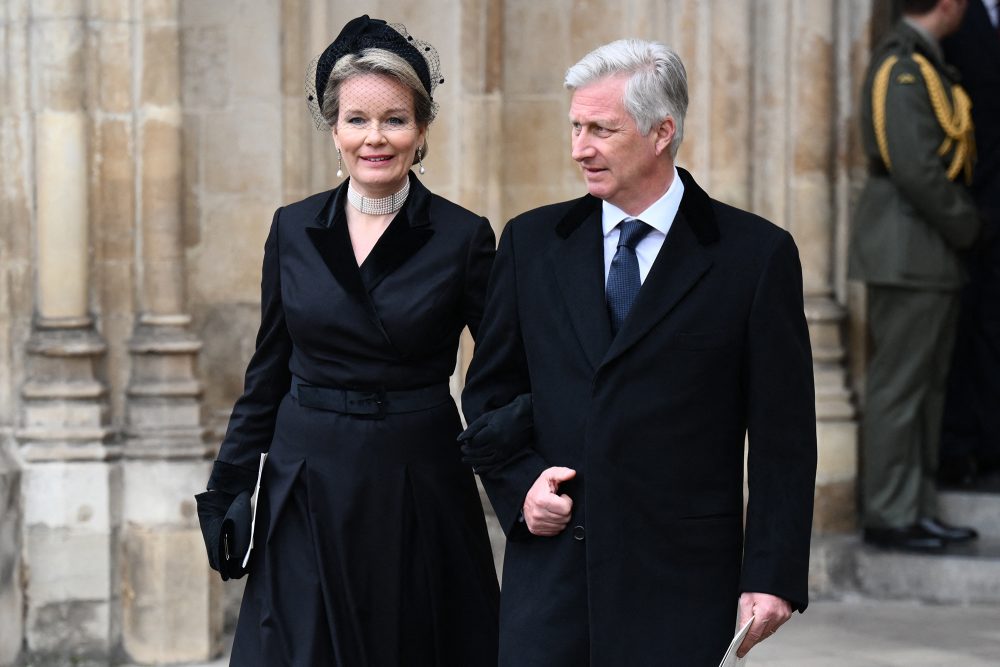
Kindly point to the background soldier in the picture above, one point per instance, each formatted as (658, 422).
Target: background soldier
(913, 218)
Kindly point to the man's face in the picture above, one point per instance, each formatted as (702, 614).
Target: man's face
(954, 11)
(619, 165)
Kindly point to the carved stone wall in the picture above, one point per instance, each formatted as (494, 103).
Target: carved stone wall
(145, 146)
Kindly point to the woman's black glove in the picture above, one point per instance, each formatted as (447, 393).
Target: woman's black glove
(225, 514)
(225, 526)
(495, 436)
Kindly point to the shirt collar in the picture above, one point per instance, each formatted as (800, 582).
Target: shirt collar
(992, 9)
(660, 214)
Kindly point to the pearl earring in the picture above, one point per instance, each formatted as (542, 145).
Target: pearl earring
(420, 160)
(340, 164)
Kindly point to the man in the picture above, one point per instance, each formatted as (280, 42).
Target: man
(913, 218)
(970, 443)
(624, 509)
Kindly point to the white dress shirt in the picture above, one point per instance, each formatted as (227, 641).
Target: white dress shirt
(993, 9)
(660, 215)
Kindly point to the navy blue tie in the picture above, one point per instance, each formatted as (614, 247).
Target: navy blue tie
(623, 278)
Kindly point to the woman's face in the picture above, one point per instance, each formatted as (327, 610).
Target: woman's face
(377, 133)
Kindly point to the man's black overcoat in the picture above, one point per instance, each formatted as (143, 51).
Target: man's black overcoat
(650, 568)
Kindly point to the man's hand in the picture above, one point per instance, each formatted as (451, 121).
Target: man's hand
(769, 612)
(546, 511)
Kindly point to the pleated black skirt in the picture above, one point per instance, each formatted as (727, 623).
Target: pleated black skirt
(370, 548)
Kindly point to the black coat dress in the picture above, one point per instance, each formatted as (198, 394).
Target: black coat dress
(653, 420)
(370, 547)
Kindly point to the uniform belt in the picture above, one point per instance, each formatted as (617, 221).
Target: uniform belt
(374, 403)
(877, 168)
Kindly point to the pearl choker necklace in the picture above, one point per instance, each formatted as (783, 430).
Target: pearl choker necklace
(380, 206)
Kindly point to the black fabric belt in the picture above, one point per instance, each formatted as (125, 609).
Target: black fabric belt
(877, 168)
(374, 403)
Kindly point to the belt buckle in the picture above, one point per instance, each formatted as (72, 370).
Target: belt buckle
(378, 398)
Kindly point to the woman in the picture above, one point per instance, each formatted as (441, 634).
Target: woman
(370, 546)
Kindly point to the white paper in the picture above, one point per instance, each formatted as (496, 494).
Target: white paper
(253, 508)
(729, 659)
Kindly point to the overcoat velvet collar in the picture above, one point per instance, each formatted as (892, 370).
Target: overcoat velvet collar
(409, 231)
(578, 261)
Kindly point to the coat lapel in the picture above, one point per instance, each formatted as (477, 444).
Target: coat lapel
(332, 240)
(578, 263)
(684, 258)
(406, 234)
(333, 243)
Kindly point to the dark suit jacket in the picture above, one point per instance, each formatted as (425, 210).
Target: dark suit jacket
(975, 51)
(650, 568)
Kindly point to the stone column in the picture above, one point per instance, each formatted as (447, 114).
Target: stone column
(11, 597)
(169, 593)
(69, 479)
(15, 310)
(796, 95)
(475, 71)
(298, 133)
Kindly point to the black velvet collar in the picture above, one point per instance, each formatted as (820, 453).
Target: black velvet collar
(696, 206)
(696, 210)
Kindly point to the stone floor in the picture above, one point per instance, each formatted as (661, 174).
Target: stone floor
(867, 633)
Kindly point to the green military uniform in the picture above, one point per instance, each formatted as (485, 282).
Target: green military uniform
(912, 219)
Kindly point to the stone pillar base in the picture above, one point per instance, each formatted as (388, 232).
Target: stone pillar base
(170, 596)
(70, 542)
(65, 410)
(836, 427)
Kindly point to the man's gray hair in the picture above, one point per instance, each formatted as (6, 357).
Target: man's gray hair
(657, 84)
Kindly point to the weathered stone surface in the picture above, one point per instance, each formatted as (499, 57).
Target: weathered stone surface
(73, 496)
(250, 132)
(227, 270)
(161, 67)
(254, 57)
(58, 9)
(162, 230)
(112, 10)
(835, 509)
(529, 124)
(68, 564)
(204, 58)
(61, 177)
(114, 75)
(191, 179)
(528, 24)
(74, 632)
(59, 47)
(158, 11)
(832, 565)
(169, 601)
(966, 508)
(967, 575)
(161, 493)
(69, 552)
(114, 192)
(228, 331)
(11, 594)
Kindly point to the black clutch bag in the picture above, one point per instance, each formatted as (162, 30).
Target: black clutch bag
(226, 528)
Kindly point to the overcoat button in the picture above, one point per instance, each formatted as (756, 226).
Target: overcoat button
(579, 533)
